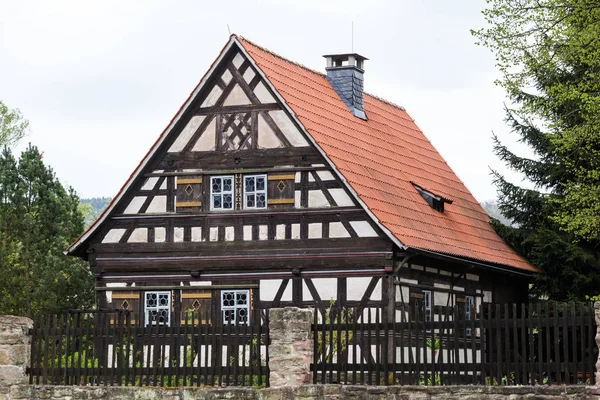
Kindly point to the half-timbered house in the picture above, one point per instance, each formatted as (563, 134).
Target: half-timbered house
(277, 185)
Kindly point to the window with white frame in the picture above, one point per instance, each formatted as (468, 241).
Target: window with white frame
(255, 191)
(427, 304)
(469, 311)
(235, 305)
(157, 307)
(221, 193)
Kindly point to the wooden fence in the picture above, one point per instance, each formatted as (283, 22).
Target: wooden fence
(111, 348)
(525, 344)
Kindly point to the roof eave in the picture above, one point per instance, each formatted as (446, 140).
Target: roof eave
(476, 263)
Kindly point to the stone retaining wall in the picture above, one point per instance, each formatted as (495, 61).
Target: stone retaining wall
(306, 392)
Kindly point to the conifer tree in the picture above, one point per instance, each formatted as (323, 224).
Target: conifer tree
(38, 220)
(548, 52)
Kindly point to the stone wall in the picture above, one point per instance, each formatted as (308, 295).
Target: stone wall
(307, 392)
(14, 351)
(290, 357)
(291, 349)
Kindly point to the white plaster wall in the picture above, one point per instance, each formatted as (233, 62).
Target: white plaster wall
(316, 199)
(200, 283)
(402, 293)
(134, 205)
(337, 230)
(237, 97)
(266, 136)
(269, 288)
(326, 287)
(212, 97)
(186, 134)
(213, 234)
(113, 236)
(263, 94)
(247, 232)
(363, 229)
(238, 60)
(288, 128)
(178, 234)
(157, 205)
(159, 235)
(315, 231)
(263, 232)
(325, 176)
(226, 76)
(356, 287)
(149, 184)
(472, 277)
(341, 198)
(139, 235)
(229, 233)
(196, 234)
(295, 231)
(249, 75)
(280, 232)
(206, 141)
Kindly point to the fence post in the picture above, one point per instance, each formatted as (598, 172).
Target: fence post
(597, 318)
(292, 346)
(15, 347)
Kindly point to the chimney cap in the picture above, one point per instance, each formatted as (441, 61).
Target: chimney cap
(345, 56)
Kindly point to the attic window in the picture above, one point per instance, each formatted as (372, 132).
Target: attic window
(435, 202)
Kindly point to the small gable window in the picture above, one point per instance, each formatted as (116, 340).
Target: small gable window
(235, 306)
(221, 193)
(435, 202)
(157, 307)
(255, 191)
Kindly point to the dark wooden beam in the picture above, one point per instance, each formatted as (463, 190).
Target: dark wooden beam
(259, 247)
(237, 109)
(236, 159)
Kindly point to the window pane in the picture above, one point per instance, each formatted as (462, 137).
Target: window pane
(216, 185)
(216, 201)
(242, 298)
(228, 299)
(163, 300)
(150, 299)
(260, 200)
(227, 201)
(250, 184)
(260, 183)
(227, 185)
(249, 200)
(242, 316)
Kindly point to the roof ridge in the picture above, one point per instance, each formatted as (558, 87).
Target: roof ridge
(279, 56)
(375, 97)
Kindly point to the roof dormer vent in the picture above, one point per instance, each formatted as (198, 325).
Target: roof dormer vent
(435, 202)
(345, 74)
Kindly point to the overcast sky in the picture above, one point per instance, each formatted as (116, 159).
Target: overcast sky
(99, 81)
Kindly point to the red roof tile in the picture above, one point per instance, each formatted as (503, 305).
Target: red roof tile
(380, 158)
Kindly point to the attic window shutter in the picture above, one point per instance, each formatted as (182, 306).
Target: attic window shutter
(281, 189)
(189, 194)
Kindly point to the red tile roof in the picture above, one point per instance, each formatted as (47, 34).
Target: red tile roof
(380, 158)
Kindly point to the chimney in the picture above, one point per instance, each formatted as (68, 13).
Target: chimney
(345, 74)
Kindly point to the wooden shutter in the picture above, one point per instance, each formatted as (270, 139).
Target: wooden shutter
(281, 190)
(189, 194)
